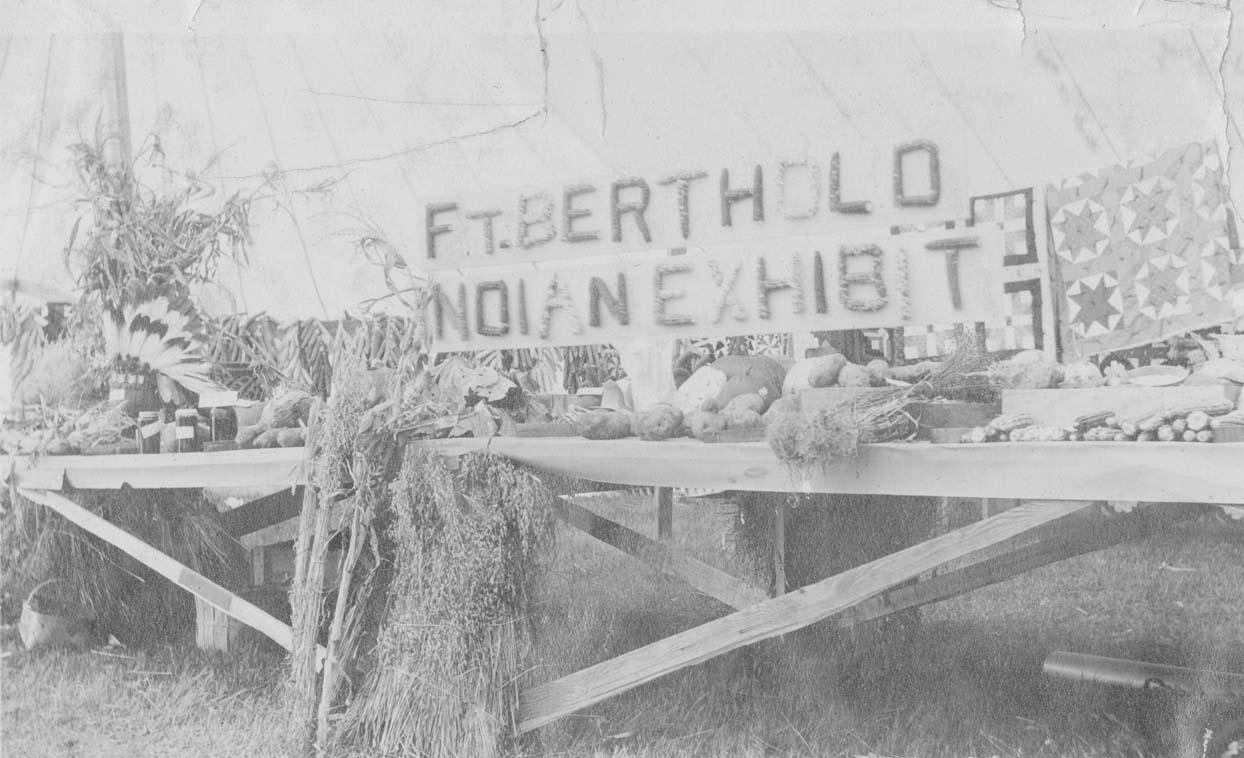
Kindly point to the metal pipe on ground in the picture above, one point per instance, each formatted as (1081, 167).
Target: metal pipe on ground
(1214, 685)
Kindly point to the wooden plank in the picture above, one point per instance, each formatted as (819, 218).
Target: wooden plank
(178, 573)
(285, 531)
(273, 467)
(1081, 533)
(264, 512)
(711, 581)
(779, 549)
(1157, 471)
(257, 566)
(664, 497)
(780, 615)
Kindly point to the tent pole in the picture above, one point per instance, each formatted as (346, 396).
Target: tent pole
(122, 98)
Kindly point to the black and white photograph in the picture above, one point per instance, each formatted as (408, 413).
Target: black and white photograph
(621, 379)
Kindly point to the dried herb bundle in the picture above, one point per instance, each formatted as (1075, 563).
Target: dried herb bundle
(453, 641)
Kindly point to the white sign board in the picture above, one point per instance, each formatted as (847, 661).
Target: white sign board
(789, 285)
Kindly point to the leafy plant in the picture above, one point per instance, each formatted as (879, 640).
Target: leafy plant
(139, 243)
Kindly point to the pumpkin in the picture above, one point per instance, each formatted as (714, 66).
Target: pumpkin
(659, 423)
(746, 374)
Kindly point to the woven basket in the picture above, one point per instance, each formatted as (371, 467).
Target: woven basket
(48, 623)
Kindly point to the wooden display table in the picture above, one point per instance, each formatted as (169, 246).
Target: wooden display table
(1078, 497)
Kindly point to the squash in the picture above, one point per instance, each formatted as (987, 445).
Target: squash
(704, 384)
(810, 373)
(659, 423)
(605, 425)
(746, 374)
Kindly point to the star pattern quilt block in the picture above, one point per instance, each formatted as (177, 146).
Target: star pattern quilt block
(1143, 251)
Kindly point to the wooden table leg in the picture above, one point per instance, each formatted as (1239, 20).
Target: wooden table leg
(664, 497)
(779, 549)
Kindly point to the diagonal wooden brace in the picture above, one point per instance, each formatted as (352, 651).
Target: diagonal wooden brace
(840, 593)
(176, 572)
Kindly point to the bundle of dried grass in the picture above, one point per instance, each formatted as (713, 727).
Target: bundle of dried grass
(804, 440)
(128, 599)
(451, 647)
(965, 375)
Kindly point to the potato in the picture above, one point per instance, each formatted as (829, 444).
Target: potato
(854, 375)
(878, 370)
(809, 373)
(703, 423)
(605, 425)
(291, 437)
(658, 423)
(742, 418)
(913, 373)
(746, 402)
(59, 446)
(246, 435)
(781, 406)
(266, 439)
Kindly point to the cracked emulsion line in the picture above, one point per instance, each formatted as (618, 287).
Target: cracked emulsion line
(371, 112)
(962, 113)
(544, 56)
(4, 59)
(399, 101)
(263, 110)
(1220, 87)
(824, 85)
(1084, 99)
(216, 152)
(30, 193)
(598, 63)
(319, 112)
(1222, 75)
(1023, 24)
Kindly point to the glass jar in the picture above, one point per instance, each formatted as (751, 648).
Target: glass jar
(147, 433)
(186, 421)
(224, 424)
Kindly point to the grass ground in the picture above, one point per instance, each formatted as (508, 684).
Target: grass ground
(967, 684)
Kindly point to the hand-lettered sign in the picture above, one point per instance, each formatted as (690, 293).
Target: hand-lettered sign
(789, 285)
